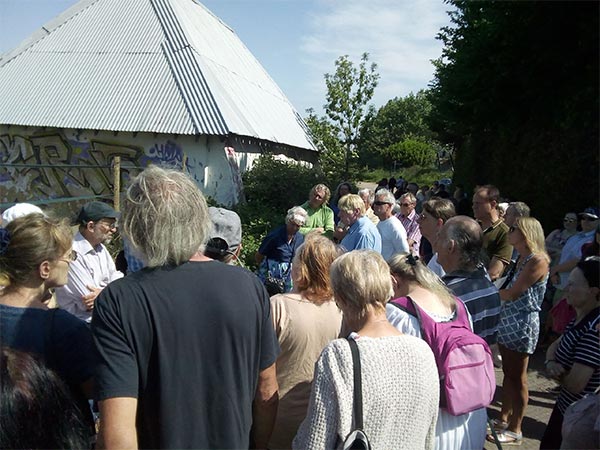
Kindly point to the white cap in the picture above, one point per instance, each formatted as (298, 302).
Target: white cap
(19, 210)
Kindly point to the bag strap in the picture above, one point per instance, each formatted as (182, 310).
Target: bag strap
(357, 407)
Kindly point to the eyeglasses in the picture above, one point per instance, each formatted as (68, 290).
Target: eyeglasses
(72, 256)
(109, 225)
(381, 203)
(569, 220)
(513, 228)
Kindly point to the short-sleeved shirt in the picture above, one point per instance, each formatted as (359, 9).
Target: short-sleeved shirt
(188, 342)
(393, 237)
(481, 298)
(322, 217)
(571, 251)
(579, 344)
(495, 242)
(61, 339)
(411, 225)
(362, 234)
(94, 266)
(275, 245)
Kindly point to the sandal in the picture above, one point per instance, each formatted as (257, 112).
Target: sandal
(498, 425)
(507, 438)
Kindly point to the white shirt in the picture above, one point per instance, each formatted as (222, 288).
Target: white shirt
(435, 266)
(393, 237)
(572, 250)
(93, 267)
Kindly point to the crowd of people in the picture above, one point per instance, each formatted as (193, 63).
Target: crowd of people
(186, 349)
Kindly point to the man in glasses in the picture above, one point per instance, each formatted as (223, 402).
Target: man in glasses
(93, 268)
(571, 252)
(393, 234)
(410, 219)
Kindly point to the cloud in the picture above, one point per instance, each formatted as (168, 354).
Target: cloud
(399, 36)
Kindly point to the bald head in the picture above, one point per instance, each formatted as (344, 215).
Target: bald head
(460, 243)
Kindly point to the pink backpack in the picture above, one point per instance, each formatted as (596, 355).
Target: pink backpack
(464, 360)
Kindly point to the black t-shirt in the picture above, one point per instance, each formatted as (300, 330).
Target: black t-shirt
(188, 342)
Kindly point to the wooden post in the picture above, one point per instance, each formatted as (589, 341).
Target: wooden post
(116, 182)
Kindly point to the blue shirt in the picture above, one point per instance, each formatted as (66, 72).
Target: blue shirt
(61, 339)
(275, 245)
(362, 234)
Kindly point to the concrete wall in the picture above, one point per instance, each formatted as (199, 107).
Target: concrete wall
(39, 164)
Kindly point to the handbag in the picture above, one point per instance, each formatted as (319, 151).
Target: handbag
(357, 438)
(274, 285)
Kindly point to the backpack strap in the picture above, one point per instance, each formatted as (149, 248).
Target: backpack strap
(357, 407)
(405, 305)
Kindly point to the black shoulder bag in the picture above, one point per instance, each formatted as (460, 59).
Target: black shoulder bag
(356, 439)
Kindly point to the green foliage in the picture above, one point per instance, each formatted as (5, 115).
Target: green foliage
(516, 94)
(411, 152)
(397, 120)
(332, 155)
(349, 90)
(272, 187)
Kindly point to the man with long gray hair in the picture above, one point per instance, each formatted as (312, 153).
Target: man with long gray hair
(186, 348)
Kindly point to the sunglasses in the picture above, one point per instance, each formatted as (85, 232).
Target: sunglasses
(381, 203)
(569, 220)
(405, 204)
(588, 219)
(513, 228)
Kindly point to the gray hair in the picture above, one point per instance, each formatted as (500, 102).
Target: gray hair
(296, 214)
(388, 197)
(521, 209)
(409, 196)
(468, 237)
(165, 217)
(367, 192)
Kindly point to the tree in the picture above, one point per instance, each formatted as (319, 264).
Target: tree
(331, 151)
(396, 121)
(411, 152)
(516, 94)
(349, 90)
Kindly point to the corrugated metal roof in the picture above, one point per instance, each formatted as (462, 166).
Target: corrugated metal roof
(166, 66)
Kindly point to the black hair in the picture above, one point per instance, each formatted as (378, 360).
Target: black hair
(590, 267)
(36, 407)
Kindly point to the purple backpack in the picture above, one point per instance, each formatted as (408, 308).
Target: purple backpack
(464, 360)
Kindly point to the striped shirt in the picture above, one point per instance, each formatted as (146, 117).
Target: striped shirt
(580, 344)
(481, 298)
(411, 225)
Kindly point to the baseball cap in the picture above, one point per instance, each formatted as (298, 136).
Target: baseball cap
(227, 227)
(590, 212)
(19, 210)
(95, 211)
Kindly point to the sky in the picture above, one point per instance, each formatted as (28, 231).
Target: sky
(298, 41)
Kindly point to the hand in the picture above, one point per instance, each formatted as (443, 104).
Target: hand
(89, 299)
(554, 369)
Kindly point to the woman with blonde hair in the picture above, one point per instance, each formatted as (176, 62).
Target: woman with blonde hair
(305, 321)
(35, 253)
(397, 371)
(412, 279)
(519, 326)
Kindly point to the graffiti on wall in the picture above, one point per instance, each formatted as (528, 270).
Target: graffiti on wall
(51, 166)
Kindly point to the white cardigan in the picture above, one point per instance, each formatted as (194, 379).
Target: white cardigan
(400, 395)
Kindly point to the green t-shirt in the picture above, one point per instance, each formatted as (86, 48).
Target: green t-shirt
(318, 218)
(495, 242)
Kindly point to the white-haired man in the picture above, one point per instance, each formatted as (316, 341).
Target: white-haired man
(368, 198)
(393, 234)
(410, 219)
(186, 348)
(361, 231)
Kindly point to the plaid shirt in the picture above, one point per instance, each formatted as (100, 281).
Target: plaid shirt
(412, 230)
